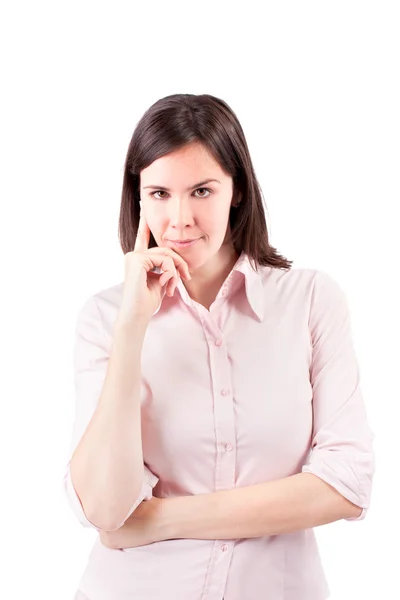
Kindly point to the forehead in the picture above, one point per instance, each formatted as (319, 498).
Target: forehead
(183, 167)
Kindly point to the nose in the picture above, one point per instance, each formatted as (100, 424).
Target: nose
(180, 213)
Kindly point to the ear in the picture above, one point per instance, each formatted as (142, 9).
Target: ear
(237, 197)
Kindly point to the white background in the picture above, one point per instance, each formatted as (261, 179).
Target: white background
(315, 86)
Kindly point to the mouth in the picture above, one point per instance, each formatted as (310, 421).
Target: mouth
(183, 244)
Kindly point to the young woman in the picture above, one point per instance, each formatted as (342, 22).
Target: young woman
(219, 416)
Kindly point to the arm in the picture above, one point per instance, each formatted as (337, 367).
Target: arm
(300, 501)
(107, 383)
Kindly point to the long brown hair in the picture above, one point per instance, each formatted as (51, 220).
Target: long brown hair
(180, 119)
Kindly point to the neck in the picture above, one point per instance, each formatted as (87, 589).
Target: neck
(207, 280)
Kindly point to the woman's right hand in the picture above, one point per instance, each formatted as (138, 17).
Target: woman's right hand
(142, 289)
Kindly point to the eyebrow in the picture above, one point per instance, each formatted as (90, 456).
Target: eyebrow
(165, 189)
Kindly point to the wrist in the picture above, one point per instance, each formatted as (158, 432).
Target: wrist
(125, 326)
(167, 520)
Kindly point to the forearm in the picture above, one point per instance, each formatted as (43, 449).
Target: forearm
(107, 465)
(301, 501)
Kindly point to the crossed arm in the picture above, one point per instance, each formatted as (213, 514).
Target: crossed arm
(300, 501)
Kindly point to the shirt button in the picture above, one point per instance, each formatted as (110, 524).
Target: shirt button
(224, 392)
(228, 447)
(218, 342)
(224, 548)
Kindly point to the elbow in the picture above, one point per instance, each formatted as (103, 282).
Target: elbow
(101, 514)
(352, 477)
(93, 515)
(100, 521)
(102, 524)
(351, 510)
(111, 520)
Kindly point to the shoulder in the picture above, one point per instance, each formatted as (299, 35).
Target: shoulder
(296, 280)
(306, 277)
(305, 286)
(102, 305)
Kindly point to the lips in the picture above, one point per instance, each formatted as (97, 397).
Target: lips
(183, 244)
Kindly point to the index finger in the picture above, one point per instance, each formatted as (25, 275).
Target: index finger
(143, 234)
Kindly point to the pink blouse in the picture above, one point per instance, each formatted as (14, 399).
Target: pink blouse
(263, 385)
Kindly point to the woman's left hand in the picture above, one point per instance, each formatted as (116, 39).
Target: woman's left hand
(141, 528)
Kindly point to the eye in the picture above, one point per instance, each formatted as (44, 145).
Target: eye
(163, 192)
(206, 189)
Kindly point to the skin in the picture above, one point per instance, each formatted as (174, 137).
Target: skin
(197, 213)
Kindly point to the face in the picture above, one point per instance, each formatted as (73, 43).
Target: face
(187, 210)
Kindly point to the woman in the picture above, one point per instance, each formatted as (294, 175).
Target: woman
(219, 416)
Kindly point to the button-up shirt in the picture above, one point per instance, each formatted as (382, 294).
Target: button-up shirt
(263, 385)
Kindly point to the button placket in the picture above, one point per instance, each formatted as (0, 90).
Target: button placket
(220, 368)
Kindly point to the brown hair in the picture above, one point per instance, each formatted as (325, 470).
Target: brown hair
(180, 119)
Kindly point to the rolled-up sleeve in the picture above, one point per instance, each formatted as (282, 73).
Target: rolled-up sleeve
(342, 441)
(90, 360)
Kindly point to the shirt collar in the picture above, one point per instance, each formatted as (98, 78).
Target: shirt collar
(253, 284)
(241, 271)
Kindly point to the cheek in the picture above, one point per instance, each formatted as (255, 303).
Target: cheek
(154, 220)
(218, 220)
